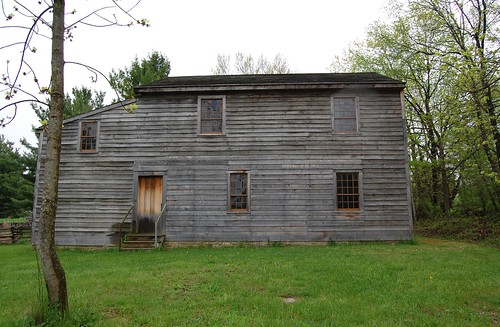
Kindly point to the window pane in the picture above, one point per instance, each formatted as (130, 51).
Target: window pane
(238, 188)
(88, 137)
(211, 116)
(344, 114)
(348, 191)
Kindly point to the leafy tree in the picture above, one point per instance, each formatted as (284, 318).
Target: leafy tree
(36, 20)
(400, 50)
(81, 100)
(451, 129)
(472, 54)
(29, 160)
(153, 68)
(245, 64)
(16, 186)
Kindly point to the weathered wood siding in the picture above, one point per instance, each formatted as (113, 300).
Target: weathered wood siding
(284, 140)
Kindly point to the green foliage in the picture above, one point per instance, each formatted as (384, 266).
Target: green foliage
(431, 283)
(13, 220)
(45, 317)
(16, 185)
(81, 100)
(153, 68)
(29, 160)
(484, 229)
(451, 97)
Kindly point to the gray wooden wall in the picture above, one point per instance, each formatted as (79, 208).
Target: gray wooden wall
(284, 140)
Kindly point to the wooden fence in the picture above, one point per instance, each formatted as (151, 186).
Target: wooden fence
(14, 232)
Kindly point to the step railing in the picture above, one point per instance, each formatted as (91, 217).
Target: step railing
(160, 216)
(120, 227)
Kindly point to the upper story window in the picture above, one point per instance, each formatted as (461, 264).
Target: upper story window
(88, 136)
(348, 192)
(345, 114)
(239, 192)
(211, 115)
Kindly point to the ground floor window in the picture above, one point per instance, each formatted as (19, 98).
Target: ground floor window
(348, 191)
(239, 191)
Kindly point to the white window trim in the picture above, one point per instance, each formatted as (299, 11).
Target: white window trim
(201, 97)
(97, 136)
(356, 104)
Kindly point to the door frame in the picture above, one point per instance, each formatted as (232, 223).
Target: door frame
(148, 173)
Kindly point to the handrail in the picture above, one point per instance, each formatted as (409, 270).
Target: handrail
(156, 223)
(120, 227)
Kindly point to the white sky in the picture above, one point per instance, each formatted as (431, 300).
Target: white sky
(308, 33)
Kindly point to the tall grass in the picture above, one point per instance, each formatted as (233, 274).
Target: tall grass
(431, 283)
(483, 229)
(13, 220)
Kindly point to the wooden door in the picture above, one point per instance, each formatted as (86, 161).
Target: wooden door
(149, 201)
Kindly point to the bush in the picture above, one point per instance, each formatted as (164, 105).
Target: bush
(485, 229)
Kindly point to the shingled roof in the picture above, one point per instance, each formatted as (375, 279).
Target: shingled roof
(270, 81)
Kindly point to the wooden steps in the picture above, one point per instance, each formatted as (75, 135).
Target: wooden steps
(135, 242)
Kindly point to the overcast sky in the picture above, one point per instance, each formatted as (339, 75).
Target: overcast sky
(192, 32)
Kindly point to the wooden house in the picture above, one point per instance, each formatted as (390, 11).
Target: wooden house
(251, 158)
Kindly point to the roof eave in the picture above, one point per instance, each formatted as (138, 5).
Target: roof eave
(262, 87)
(96, 111)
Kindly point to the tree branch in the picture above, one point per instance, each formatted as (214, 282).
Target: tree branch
(11, 45)
(87, 16)
(127, 12)
(26, 42)
(96, 73)
(32, 14)
(3, 122)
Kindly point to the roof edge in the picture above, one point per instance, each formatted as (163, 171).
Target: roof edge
(97, 111)
(269, 82)
(100, 110)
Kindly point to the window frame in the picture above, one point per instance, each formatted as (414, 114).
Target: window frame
(199, 120)
(81, 137)
(359, 194)
(356, 112)
(229, 194)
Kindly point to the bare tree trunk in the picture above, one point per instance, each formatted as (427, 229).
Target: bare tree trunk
(55, 278)
(445, 187)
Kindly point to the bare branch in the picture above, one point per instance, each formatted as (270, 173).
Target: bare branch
(107, 21)
(16, 26)
(127, 12)
(27, 28)
(28, 37)
(11, 45)
(96, 73)
(81, 20)
(5, 121)
(32, 14)
(3, 10)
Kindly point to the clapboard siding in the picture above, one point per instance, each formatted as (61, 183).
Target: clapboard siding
(283, 138)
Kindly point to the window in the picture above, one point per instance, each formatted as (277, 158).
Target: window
(345, 115)
(348, 194)
(239, 200)
(88, 136)
(211, 115)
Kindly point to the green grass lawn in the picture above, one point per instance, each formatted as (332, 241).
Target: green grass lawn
(431, 283)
